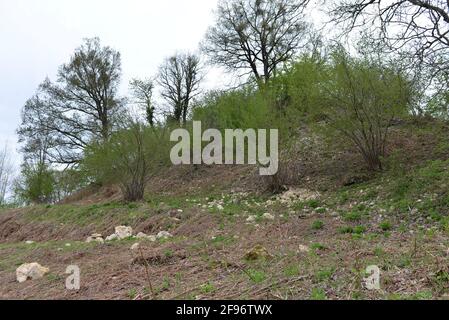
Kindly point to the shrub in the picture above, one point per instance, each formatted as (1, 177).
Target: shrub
(361, 97)
(129, 158)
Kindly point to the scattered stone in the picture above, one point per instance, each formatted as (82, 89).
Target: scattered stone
(112, 237)
(135, 247)
(123, 232)
(95, 238)
(303, 248)
(164, 235)
(143, 236)
(268, 216)
(32, 271)
(298, 195)
(251, 219)
(256, 253)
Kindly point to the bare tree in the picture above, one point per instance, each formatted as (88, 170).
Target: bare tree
(142, 94)
(80, 107)
(180, 77)
(420, 27)
(256, 35)
(6, 171)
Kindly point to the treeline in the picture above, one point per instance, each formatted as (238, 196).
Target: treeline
(78, 131)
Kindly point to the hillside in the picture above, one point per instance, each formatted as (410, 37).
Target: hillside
(231, 239)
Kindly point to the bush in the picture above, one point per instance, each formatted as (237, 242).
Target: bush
(129, 158)
(361, 97)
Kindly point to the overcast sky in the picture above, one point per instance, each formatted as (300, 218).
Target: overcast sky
(38, 36)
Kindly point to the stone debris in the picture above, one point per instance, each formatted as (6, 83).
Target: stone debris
(303, 248)
(298, 195)
(123, 232)
(30, 271)
(96, 237)
(268, 216)
(251, 219)
(112, 237)
(135, 247)
(164, 235)
(143, 236)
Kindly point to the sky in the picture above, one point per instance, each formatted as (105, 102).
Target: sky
(39, 36)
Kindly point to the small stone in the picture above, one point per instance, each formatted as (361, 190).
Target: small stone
(112, 237)
(68, 244)
(135, 247)
(32, 271)
(141, 235)
(268, 216)
(163, 235)
(303, 248)
(29, 242)
(251, 219)
(123, 232)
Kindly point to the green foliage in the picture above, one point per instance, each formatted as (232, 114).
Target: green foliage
(37, 184)
(128, 158)
(317, 225)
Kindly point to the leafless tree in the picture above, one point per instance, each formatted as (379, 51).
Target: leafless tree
(256, 35)
(420, 27)
(142, 94)
(6, 171)
(80, 106)
(179, 78)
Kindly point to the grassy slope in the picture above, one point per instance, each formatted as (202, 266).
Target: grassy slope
(398, 220)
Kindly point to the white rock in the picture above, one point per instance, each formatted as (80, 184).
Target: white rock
(112, 237)
(135, 247)
(141, 235)
(29, 242)
(123, 232)
(251, 219)
(31, 271)
(68, 244)
(94, 239)
(164, 235)
(268, 216)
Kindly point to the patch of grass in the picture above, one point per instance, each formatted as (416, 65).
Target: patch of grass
(359, 230)
(207, 288)
(317, 225)
(324, 275)
(256, 276)
(291, 270)
(317, 246)
(353, 216)
(345, 230)
(385, 225)
(320, 210)
(132, 293)
(318, 294)
(313, 203)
